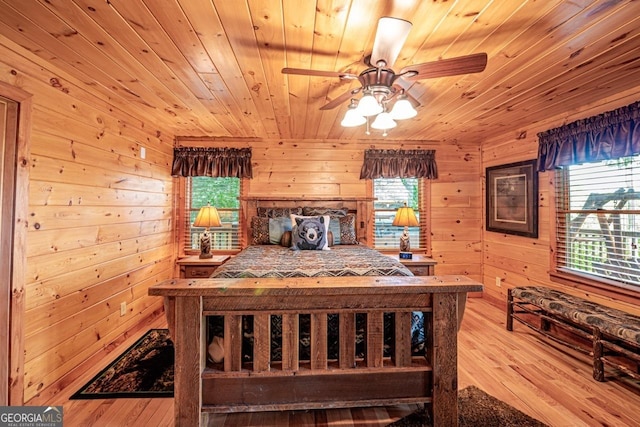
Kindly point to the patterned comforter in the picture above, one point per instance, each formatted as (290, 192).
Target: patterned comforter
(343, 260)
(278, 261)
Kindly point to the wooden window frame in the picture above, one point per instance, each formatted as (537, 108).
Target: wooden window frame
(183, 213)
(424, 200)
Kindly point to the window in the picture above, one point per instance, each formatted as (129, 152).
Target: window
(598, 221)
(391, 194)
(223, 194)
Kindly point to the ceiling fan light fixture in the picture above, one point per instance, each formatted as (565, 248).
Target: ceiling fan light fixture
(383, 121)
(352, 118)
(381, 87)
(403, 109)
(368, 106)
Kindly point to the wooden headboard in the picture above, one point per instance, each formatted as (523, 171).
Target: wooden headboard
(362, 207)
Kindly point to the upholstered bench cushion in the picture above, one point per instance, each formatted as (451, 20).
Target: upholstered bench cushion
(614, 322)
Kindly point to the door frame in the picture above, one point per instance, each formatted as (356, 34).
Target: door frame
(13, 291)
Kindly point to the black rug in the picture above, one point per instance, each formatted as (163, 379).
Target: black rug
(476, 409)
(144, 370)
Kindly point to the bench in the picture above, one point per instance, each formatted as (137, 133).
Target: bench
(613, 335)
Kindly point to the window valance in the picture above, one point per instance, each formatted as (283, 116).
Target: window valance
(399, 164)
(213, 162)
(610, 135)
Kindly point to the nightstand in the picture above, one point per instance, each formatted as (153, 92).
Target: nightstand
(194, 267)
(420, 265)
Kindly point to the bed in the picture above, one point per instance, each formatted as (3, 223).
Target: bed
(324, 329)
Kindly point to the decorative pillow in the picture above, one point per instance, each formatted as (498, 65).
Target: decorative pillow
(330, 239)
(259, 230)
(334, 228)
(277, 227)
(215, 349)
(312, 211)
(278, 212)
(309, 232)
(348, 230)
(286, 239)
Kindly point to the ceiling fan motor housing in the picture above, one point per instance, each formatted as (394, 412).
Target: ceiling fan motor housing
(378, 82)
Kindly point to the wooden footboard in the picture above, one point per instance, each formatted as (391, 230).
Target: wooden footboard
(323, 380)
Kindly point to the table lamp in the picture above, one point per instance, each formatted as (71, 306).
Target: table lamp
(207, 217)
(405, 217)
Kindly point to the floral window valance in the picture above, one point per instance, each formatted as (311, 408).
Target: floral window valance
(214, 162)
(610, 135)
(399, 164)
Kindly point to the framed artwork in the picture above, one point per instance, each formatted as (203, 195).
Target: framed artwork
(512, 198)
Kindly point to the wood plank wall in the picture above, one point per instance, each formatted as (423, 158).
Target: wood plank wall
(331, 168)
(520, 261)
(100, 219)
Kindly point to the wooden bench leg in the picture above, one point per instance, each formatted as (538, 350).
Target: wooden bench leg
(509, 311)
(545, 325)
(598, 349)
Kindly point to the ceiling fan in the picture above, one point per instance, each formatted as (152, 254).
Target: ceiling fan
(380, 80)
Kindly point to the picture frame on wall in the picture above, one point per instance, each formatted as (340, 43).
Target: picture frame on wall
(512, 198)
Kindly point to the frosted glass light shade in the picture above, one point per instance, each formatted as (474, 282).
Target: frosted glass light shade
(368, 106)
(403, 110)
(383, 121)
(352, 118)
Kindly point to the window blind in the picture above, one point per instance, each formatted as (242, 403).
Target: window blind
(598, 220)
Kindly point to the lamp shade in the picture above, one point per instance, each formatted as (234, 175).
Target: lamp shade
(368, 106)
(207, 217)
(405, 217)
(402, 110)
(383, 121)
(352, 118)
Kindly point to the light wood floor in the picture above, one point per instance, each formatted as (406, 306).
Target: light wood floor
(547, 381)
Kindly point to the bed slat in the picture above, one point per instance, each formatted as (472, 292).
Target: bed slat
(375, 339)
(290, 339)
(261, 342)
(347, 340)
(402, 354)
(232, 343)
(319, 341)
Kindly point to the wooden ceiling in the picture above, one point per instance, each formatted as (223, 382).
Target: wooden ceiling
(213, 67)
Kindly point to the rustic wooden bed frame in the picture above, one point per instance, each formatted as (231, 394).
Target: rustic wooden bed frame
(292, 384)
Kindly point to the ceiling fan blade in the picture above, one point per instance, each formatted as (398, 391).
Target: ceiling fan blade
(468, 64)
(339, 100)
(319, 73)
(390, 37)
